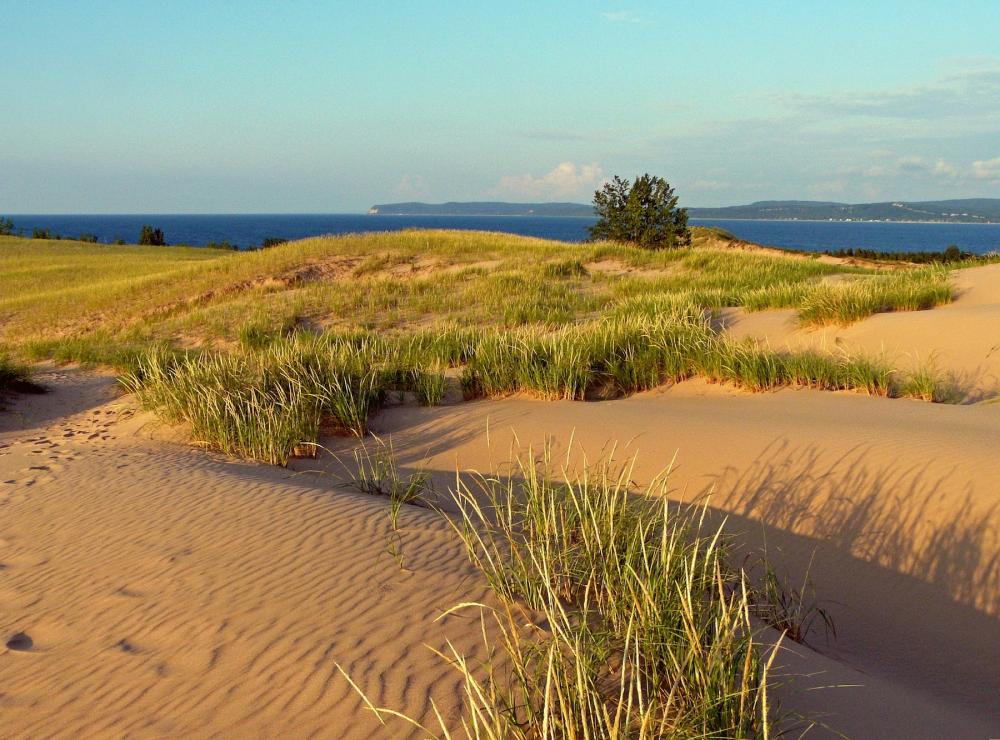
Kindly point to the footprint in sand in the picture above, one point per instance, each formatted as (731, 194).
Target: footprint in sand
(21, 642)
(126, 647)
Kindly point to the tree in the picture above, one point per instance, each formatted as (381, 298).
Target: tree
(6, 227)
(643, 213)
(152, 237)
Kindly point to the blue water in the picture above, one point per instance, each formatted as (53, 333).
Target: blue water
(249, 230)
(818, 236)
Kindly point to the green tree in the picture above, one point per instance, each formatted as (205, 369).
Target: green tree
(152, 237)
(6, 227)
(644, 212)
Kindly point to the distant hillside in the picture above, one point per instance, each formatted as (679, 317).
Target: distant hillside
(970, 210)
(482, 209)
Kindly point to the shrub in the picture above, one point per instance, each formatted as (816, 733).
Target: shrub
(644, 213)
(149, 236)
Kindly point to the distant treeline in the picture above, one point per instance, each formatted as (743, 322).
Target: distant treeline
(148, 236)
(951, 254)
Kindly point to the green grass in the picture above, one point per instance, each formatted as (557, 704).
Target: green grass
(53, 292)
(620, 617)
(912, 290)
(259, 351)
(12, 374)
(262, 403)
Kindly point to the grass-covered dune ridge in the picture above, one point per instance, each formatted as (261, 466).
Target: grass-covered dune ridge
(398, 281)
(257, 351)
(262, 402)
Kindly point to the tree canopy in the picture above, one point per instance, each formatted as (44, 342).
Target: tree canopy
(644, 212)
(150, 236)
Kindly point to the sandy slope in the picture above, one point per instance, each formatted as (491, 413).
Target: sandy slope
(893, 501)
(169, 592)
(150, 589)
(962, 338)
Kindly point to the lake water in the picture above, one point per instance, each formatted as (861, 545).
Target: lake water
(251, 229)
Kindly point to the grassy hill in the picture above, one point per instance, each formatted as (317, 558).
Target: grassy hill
(56, 291)
(255, 349)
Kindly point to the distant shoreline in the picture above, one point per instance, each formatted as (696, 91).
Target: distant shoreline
(845, 221)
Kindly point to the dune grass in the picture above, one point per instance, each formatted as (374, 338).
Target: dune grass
(620, 617)
(258, 351)
(12, 373)
(263, 401)
(912, 290)
(53, 292)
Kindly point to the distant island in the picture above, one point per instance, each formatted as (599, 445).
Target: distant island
(964, 211)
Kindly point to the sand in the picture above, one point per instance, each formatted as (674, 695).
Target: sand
(148, 588)
(961, 339)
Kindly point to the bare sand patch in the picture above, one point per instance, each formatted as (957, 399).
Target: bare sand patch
(169, 592)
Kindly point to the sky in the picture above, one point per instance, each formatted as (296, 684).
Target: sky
(326, 107)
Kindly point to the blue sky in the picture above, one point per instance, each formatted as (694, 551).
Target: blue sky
(332, 106)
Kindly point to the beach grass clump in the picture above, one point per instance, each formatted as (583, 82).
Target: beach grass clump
(429, 385)
(96, 349)
(903, 290)
(615, 356)
(228, 405)
(12, 374)
(927, 383)
(620, 616)
(568, 268)
(629, 354)
(873, 376)
(259, 406)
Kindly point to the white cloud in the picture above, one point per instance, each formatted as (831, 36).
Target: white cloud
(410, 185)
(945, 169)
(912, 165)
(565, 181)
(986, 169)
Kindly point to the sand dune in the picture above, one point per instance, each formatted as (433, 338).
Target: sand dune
(961, 338)
(166, 591)
(151, 589)
(893, 502)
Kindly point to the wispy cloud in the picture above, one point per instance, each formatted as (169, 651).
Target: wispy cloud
(565, 181)
(987, 169)
(967, 94)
